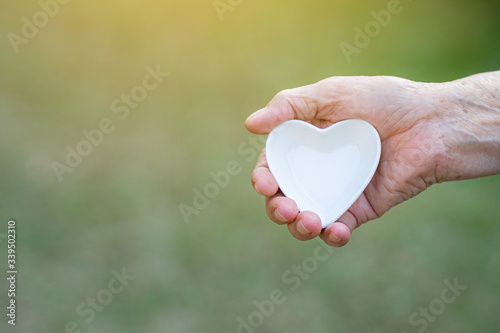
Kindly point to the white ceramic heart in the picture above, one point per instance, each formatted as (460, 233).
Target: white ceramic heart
(323, 170)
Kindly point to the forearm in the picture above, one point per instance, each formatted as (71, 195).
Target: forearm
(470, 114)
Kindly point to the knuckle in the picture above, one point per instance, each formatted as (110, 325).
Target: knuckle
(285, 94)
(255, 177)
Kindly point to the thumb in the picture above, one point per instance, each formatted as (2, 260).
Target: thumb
(299, 103)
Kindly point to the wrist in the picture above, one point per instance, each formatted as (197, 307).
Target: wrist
(468, 116)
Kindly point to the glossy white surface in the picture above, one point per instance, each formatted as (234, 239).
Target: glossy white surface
(323, 170)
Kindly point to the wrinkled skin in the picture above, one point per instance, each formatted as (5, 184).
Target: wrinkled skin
(430, 132)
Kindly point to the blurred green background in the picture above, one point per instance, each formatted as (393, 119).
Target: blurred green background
(119, 208)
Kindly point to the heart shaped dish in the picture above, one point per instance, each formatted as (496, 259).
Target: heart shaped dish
(323, 170)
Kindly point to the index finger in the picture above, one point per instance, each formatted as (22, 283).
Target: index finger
(262, 179)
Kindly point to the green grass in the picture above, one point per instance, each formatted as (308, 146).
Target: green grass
(119, 208)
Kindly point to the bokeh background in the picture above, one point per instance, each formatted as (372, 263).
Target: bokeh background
(119, 208)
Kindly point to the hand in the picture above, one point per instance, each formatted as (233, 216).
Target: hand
(413, 120)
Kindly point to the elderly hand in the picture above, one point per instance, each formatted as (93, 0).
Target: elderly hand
(430, 132)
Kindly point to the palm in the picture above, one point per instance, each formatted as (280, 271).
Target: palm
(400, 176)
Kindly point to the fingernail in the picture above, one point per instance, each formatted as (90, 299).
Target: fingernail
(334, 238)
(302, 229)
(278, 216)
